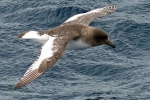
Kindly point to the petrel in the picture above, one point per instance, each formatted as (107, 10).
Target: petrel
(74, 33)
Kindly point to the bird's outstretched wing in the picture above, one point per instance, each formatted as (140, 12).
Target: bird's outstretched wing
(51, 51)
(86, 18)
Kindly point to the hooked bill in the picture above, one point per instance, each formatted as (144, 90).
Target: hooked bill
(74, 33)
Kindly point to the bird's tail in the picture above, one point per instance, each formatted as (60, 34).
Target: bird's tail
(34, 35)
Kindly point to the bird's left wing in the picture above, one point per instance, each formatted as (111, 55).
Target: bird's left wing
(86, 18)
(51, 51)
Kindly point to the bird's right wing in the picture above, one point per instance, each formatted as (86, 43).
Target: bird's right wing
(51, 51)
(86, 18)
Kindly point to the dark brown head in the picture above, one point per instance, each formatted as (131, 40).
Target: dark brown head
(100, 37)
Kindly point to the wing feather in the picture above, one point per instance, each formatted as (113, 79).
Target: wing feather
(86, 18)
(51, 51)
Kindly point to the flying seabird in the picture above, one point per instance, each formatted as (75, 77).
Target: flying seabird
(74, 33)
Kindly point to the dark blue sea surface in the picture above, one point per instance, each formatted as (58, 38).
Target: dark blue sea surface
(97, 73)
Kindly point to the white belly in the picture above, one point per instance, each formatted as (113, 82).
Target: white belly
(73, 45)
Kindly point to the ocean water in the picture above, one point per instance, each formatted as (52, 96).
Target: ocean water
(97, 73)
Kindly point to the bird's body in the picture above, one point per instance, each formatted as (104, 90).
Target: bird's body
(74, 33)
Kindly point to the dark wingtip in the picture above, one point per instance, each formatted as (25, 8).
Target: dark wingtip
(19, 85)
(111, 7)
(16, 87)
